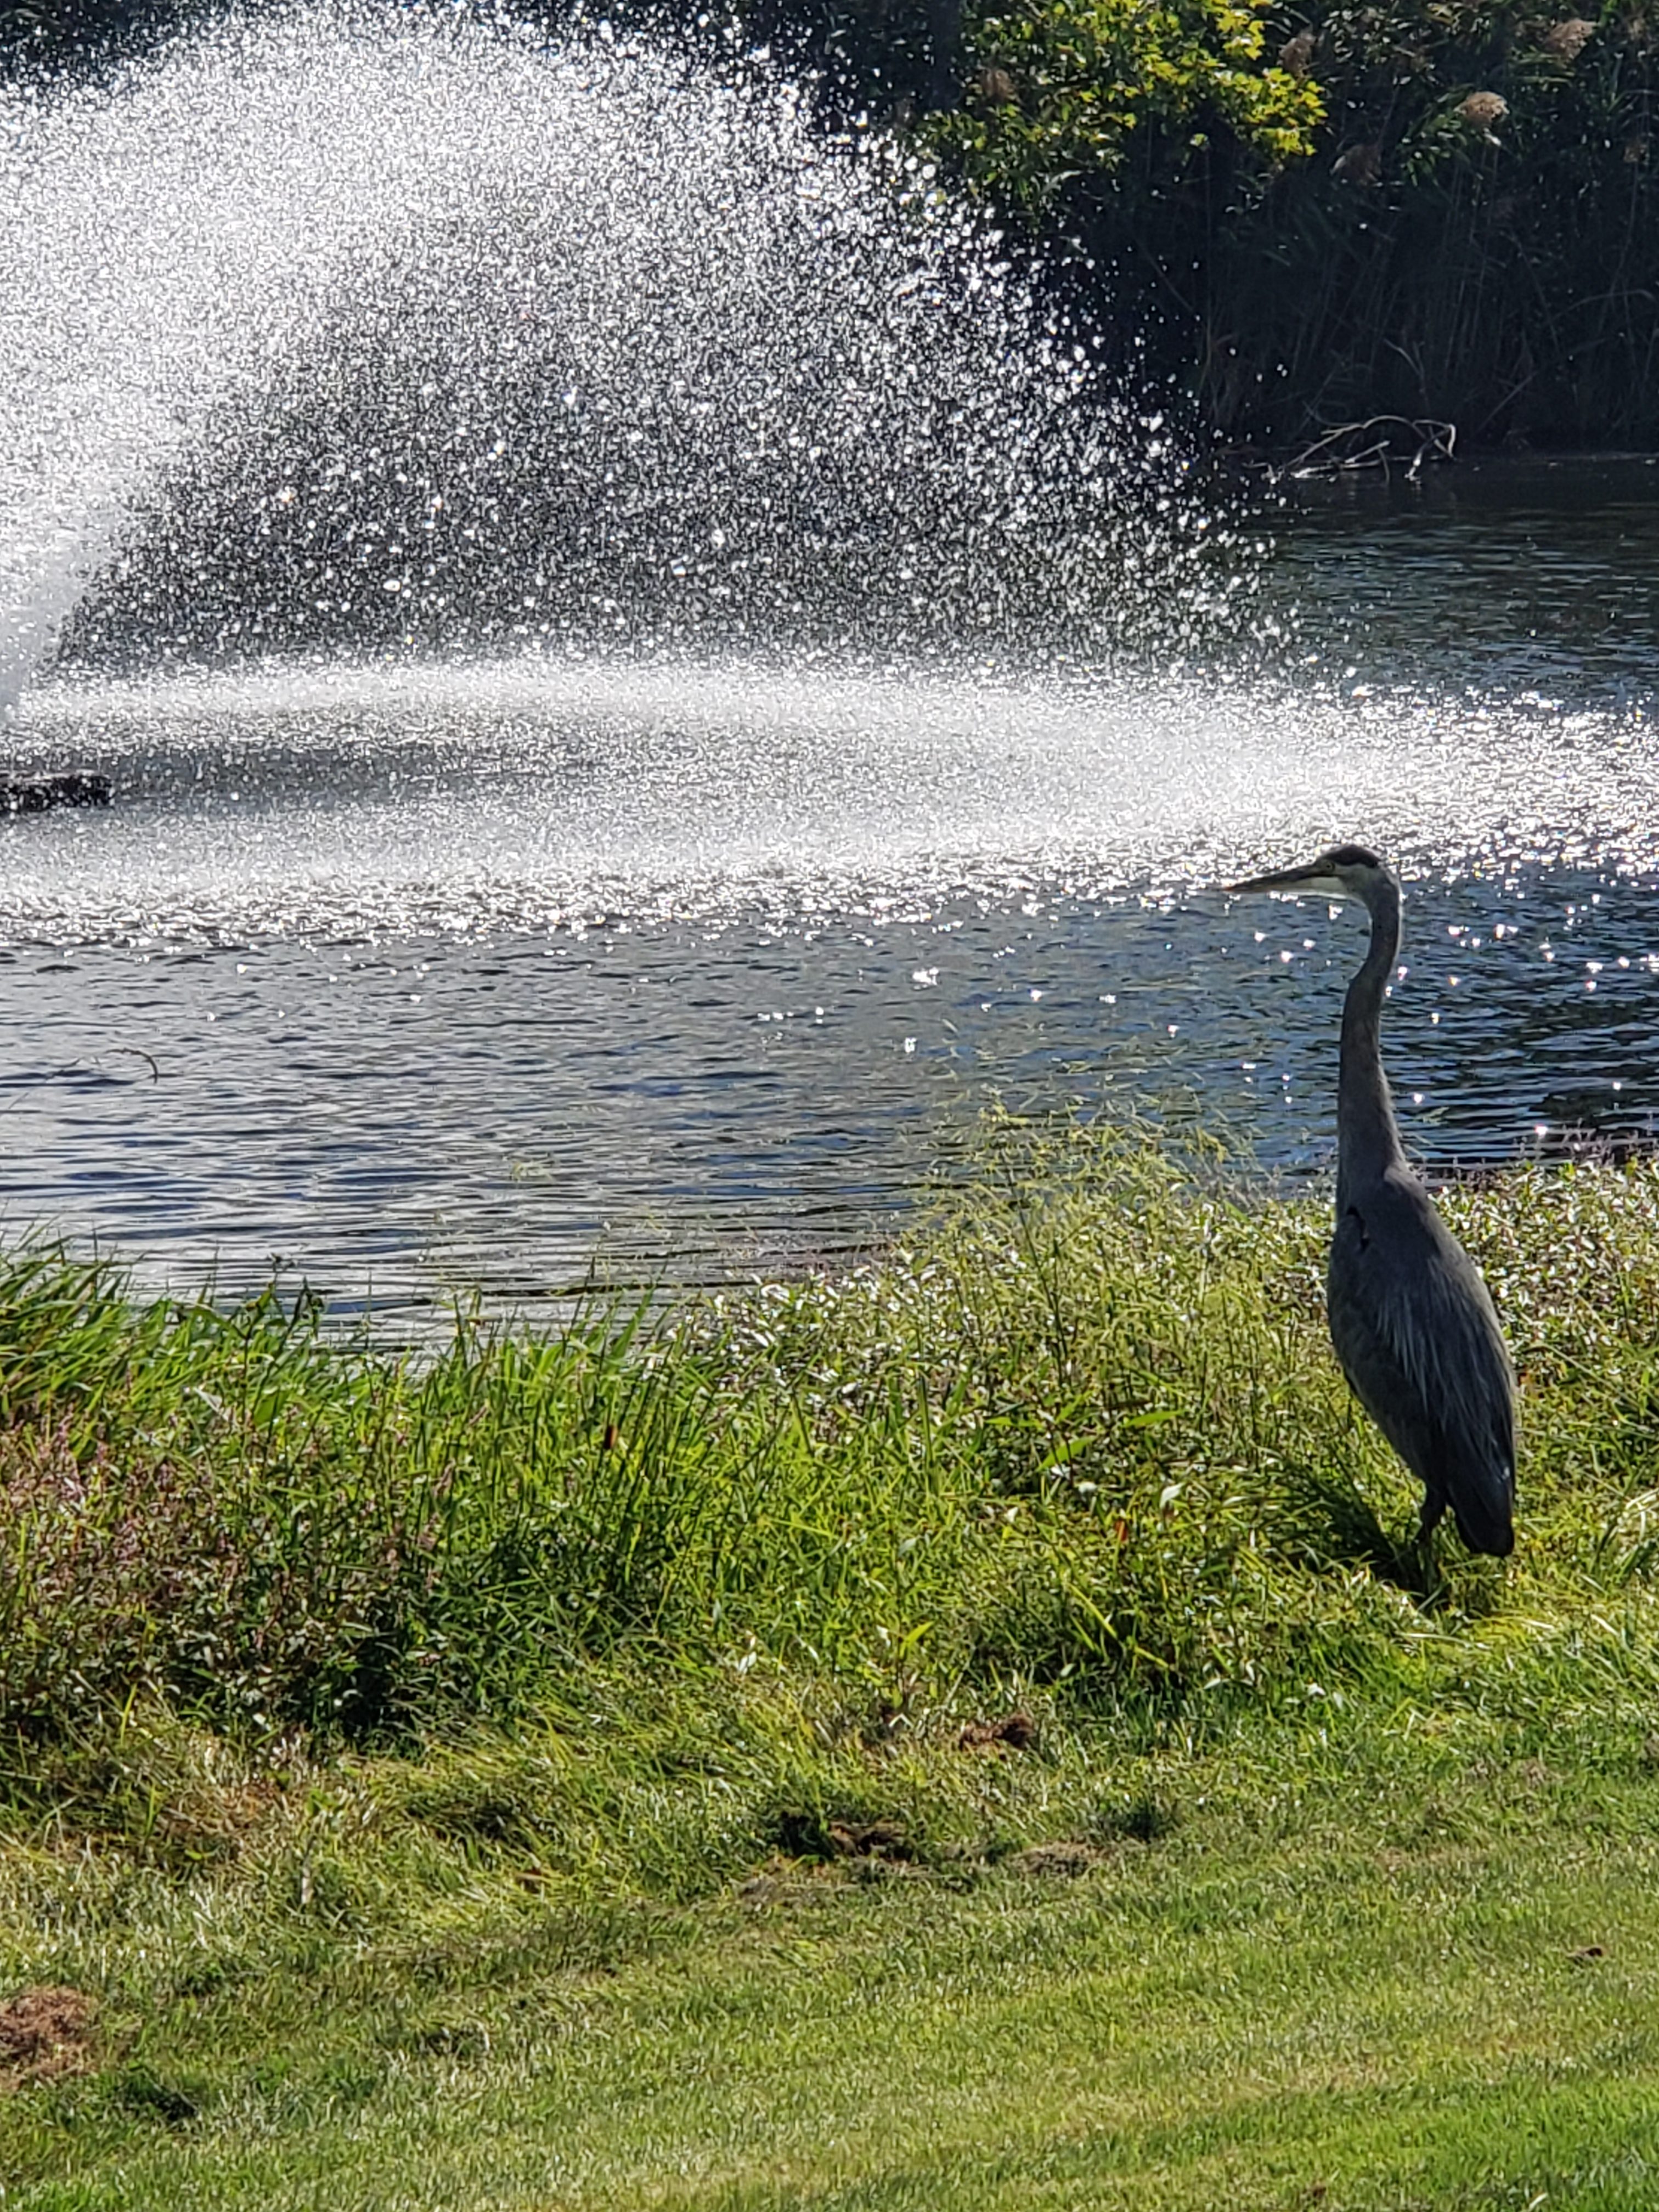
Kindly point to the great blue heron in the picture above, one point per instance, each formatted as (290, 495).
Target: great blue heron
(1412, 1322)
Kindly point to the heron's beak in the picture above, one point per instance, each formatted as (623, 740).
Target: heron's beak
(1308, 877)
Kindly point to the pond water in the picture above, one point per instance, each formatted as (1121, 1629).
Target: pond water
(497, 973)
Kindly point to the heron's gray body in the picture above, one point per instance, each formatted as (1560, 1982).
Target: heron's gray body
(1411, 1320)
(1419, 1340)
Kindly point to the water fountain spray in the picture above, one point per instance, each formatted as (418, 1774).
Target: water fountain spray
(377, 331)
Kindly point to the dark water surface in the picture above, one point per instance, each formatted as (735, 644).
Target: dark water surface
(425, 979)
(1507, 577)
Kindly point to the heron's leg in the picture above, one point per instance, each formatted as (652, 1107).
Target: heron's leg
(1434, 1507)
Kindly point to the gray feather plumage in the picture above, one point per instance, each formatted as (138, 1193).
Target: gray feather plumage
(1419, 1340)
(1411, 1320)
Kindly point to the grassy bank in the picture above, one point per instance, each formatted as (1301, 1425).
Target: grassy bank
(962, 1733)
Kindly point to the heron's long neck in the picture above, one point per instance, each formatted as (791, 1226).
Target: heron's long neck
(1367, 1137)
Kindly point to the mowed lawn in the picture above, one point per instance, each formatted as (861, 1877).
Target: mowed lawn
(1375, 1985)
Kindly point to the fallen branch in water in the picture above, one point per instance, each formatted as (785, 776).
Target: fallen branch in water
(1354, 446)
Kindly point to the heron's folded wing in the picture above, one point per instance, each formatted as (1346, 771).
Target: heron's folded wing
(1418, 1339)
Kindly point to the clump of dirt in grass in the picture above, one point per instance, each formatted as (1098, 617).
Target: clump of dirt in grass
(1015, 1731)
(809, 1835)
(1062, 1858)
(45, 2032)
(870, 1839)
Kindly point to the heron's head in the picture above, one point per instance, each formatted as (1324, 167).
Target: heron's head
(1344, 872)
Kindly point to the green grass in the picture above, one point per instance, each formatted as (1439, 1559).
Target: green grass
(553, 1773)
(1358, 1967)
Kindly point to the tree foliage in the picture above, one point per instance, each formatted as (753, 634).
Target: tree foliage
(1309, 213)
(1062, 86)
